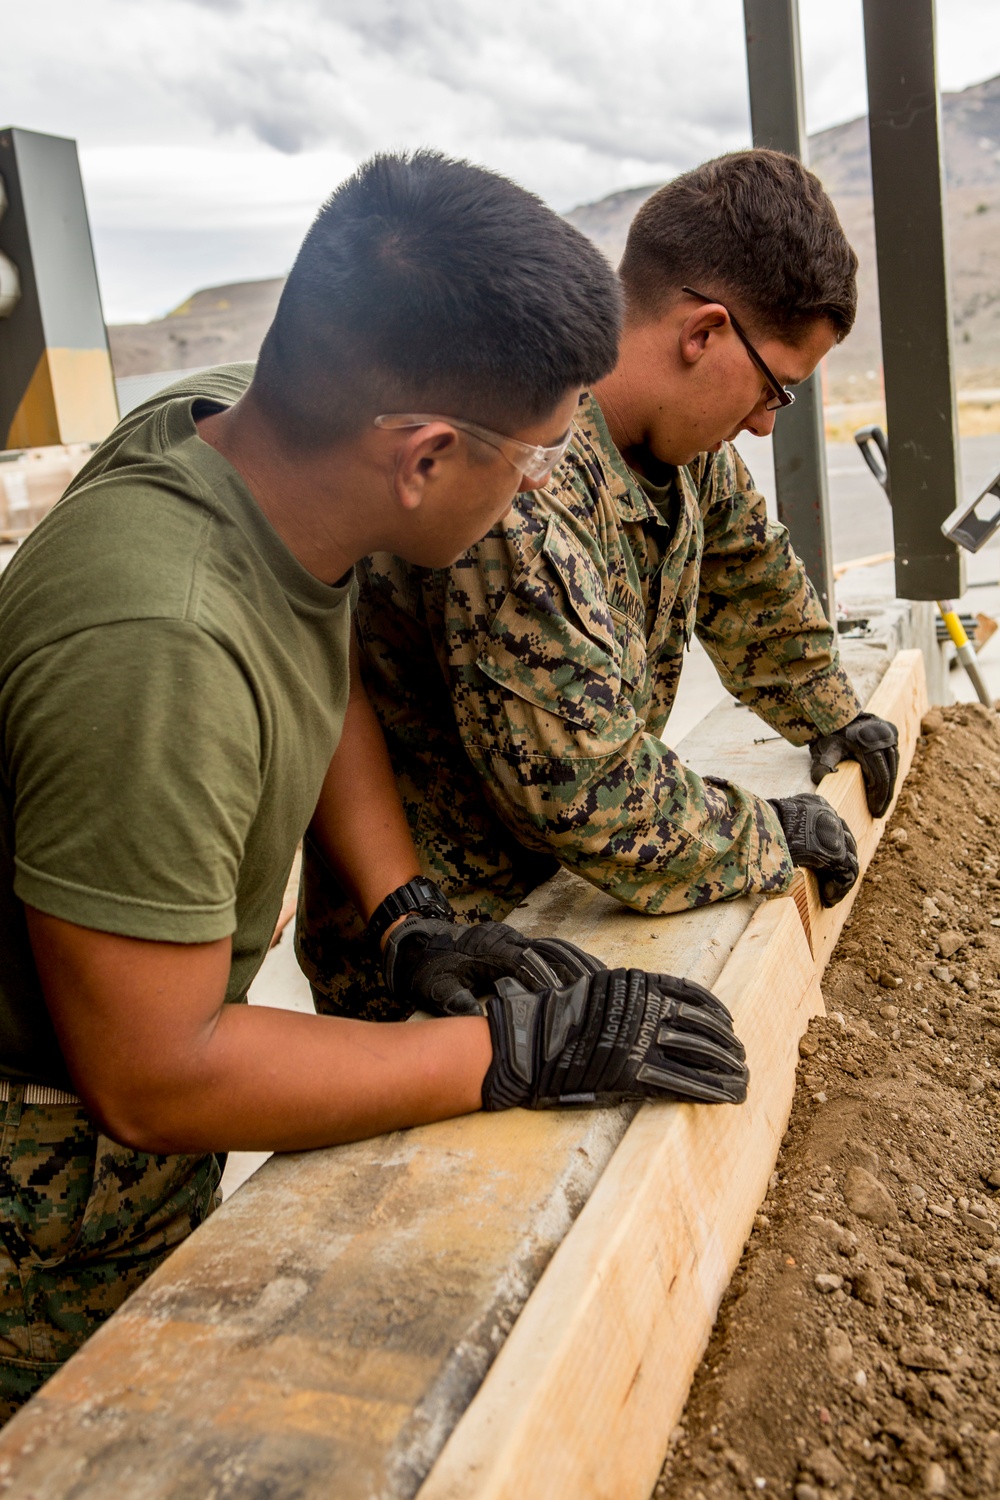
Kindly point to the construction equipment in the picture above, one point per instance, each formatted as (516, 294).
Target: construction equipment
(875, 452)
(971, 526)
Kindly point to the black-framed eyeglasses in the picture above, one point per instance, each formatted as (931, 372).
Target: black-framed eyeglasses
(782, 396)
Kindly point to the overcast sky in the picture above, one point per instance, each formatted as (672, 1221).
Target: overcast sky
(210, 130)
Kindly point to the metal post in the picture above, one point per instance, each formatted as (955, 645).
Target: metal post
(774, 65)
(904, 121)
(56, 382)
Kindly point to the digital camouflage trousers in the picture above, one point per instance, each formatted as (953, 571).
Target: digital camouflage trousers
(83, 1222)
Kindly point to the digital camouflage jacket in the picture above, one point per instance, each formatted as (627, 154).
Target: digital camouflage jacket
(523, 692)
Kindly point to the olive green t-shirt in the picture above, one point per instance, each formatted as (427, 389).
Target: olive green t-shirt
(172, 687)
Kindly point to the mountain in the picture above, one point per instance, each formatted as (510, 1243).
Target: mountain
(213, 327)
(227, 323)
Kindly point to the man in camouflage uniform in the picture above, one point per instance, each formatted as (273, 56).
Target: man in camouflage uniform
(523, 691)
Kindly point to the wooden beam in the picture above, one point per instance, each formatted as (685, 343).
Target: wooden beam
(589, 1384)
(901, 697)
(592, 1380)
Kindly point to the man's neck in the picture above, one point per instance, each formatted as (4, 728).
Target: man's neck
(314, 503)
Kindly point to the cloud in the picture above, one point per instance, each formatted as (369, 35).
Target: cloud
(234, 118)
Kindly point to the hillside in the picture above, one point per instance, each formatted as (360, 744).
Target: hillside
(227, 323)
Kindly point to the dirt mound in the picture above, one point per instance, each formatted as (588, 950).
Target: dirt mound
(856, 1352)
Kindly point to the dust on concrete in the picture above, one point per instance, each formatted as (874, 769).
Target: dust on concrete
(856, 1351)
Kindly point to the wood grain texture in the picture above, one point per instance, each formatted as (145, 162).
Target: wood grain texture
(901, 697)
(583, 1396)
(595, 1372)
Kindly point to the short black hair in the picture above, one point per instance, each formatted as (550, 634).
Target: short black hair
(755, 227)
(427, 284)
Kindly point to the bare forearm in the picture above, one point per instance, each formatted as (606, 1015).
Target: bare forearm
(359, 824)
(273, 1080)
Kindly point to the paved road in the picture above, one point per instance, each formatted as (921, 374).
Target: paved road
(859, 512)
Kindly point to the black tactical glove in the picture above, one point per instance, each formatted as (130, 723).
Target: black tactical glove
(872, 743)
(621, 1034)
(821, 841)
(450, 969)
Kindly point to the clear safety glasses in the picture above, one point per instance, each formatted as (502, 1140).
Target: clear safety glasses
(531, 460)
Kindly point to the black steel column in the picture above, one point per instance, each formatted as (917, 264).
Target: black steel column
(904, 120)
(776, 113)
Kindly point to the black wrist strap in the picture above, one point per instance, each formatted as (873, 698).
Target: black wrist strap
(419, 895)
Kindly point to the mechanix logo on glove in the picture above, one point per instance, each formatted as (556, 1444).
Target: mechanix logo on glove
(619, 1035)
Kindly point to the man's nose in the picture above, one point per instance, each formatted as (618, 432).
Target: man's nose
(760, 422)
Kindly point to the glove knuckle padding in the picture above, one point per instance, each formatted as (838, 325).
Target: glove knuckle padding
(873, 743)
(616, 1035)
(450, 968)
(819, 840)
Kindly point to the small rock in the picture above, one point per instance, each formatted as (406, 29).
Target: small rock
(922, 1024)
(808, 1046)
(899, 836)
(888, 1012)
(866, 1197)
(970, 983)
(861, 1379)
(824, 1465)
(889, 981)
(930, 908)
(736, 1462)
(935, 1480)
(806, 1492)
(825, 1282)
(838, 1347)
(924, 1357)
(932, 722)
(861, 1154)
(949, 943)
(868, 1287)
(994, 1175)
(916, 1192)
(942, 972)
(975, 1084)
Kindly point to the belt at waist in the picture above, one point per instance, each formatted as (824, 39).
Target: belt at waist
(36, 1093)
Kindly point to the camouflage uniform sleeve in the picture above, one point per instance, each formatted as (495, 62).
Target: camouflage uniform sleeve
(547, 715)
(759, 617)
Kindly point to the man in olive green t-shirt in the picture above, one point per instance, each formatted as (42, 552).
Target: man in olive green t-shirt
(174, 682)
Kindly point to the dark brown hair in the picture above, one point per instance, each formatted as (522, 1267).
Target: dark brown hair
(754, 227)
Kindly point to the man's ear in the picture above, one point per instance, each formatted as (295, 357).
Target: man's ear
(698, 331)
(419, 459)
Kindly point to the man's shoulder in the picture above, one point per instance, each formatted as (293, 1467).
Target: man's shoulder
(126, 538)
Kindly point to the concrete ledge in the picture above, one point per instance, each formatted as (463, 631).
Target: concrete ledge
(326, 1330)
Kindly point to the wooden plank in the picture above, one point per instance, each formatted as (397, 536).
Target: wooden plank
(900, 697)
(333, 1319)
(598, 1366)
(593, 1378)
